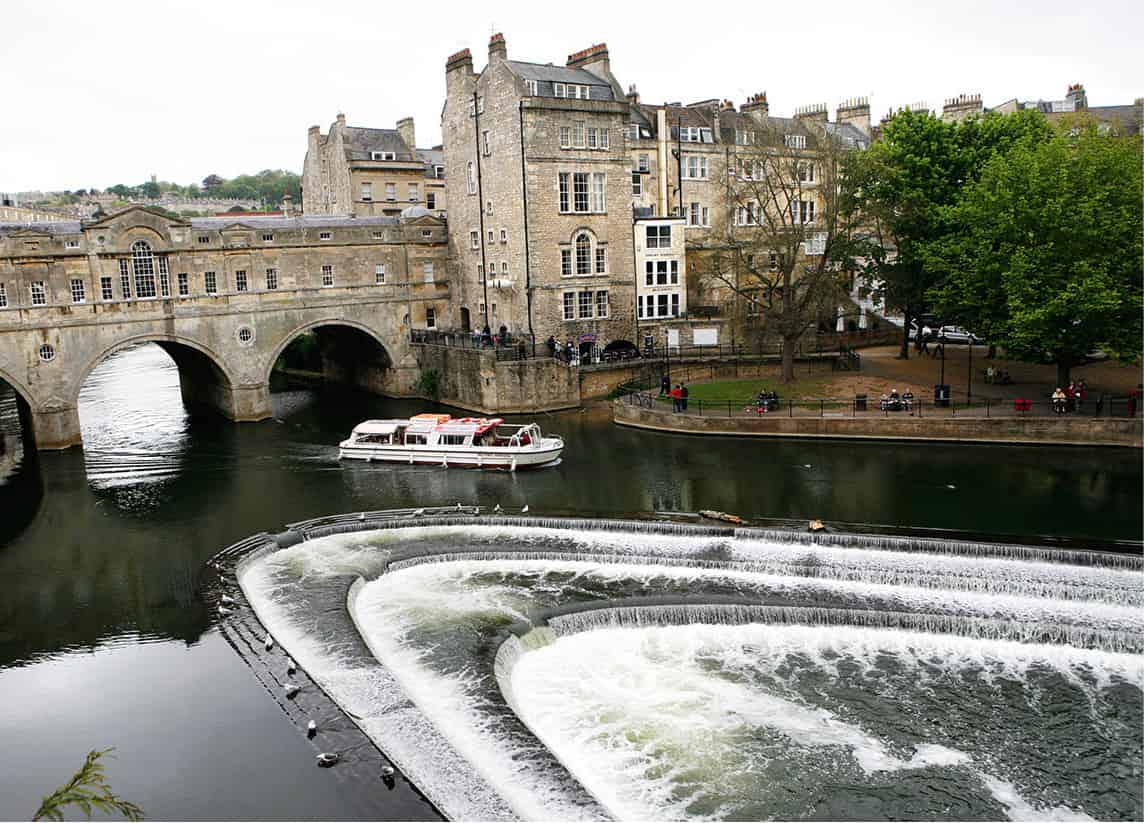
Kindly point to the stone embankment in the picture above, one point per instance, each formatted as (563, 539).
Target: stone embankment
(1056, 431)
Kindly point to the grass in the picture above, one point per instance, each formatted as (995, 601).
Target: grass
(720, 391)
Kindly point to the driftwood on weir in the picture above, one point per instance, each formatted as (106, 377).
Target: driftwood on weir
(713, 515)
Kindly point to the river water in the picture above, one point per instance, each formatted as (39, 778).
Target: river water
(104, 642)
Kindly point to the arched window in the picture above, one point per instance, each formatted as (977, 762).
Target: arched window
(583, 254)
(143, 267)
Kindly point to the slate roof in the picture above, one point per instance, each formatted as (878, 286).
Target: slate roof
(545, 75)
(359, 142)
(432, 157)
(217, 223)
(56, 227)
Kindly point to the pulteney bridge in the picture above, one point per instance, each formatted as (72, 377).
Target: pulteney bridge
(223, 297)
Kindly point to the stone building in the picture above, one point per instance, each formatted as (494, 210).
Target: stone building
(539, 189)
(1074, 107)
(370, 172)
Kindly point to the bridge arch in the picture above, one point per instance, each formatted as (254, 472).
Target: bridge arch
(351, 353)
(204, 378)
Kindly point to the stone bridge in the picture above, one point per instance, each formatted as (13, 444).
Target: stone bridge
(59, 324)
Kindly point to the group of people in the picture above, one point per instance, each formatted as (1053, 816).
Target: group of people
(678, 393)
(566, 352)
(1001, 376)
(1070, 398)
(486, 338)
(897, 402)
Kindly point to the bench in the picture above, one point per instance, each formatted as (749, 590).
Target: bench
(1022, 406)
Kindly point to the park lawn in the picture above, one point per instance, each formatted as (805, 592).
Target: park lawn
(811, 386)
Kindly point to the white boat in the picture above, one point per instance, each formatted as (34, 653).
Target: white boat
(438, 439)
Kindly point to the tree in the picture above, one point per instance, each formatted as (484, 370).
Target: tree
(1047, 258)
(211, 181)
(150, 190)
(787, 234)
(903, 187)
(89, 790)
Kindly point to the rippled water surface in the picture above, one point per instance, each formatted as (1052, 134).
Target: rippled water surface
(105, 642)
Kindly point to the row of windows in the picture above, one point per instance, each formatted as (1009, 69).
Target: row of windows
(661, 273)
(475, 237)
(267, 237)
(584, 257)
(413, 190)
(582, 192)
(658, 305)
(584, 305)
(492, 270)
(577, 136)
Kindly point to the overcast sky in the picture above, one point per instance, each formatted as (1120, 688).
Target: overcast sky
(103, 93)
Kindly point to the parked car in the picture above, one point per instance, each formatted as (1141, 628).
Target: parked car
(956, 334)
(926, 322)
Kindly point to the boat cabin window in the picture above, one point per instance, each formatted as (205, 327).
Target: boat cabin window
(452, 440)
(415, 440)
(375, 438)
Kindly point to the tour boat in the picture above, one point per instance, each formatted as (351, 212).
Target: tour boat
(438, 439)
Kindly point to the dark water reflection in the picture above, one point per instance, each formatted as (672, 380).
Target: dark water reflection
(101, 549)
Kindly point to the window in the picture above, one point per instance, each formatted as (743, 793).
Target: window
(597, 138)
(565, 137)
(802, 211)
(382, 155)
(675, 305)
(504, 235)
(268, 238)
(563, 179)
(204, 239)
(414, 192)
(569, 305)
(481, 274)
(477, 108)
(430, 318)
(430, 200)
(585, 304)
(794, 141)
(806, 172)
(601, 304)
(504, 268)
(184, 284)
(125, 278)
(324, 235)
(210, 282)
(649, 272)
(659, 237)
(643, 164)
(566, 262)
(773, 260)
(240, 280)
(633, 131)
(271, 279)
(105, 292)
(164, 278)
(71, 244)
(471, 178)
(390, 191)
(744, 138)
(77, 291)
(367, 192)
(599, 181)
(47, 353)
(379, 274)
(675, 272)
(245, 335)
(439, 172)
(637, 184)
(601, 260)
(379, 235)
(426, 234)
(3, 296)
(474, 240)
(694, 167)
(39, 293)
(580, 191)
(695, 134)
(491, 237)
(327, 276)
(488, 207)
(485, 142)
(427, 271)
(583, 254)
(661, 305)
(532, 87)
(143, 267)
(698, 215)
(572, 90)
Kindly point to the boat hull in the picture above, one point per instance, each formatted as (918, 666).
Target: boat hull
(490, 458)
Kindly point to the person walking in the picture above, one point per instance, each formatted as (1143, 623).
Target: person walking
(676, 398)
(551, 343)
(683, 396)
(664, 384)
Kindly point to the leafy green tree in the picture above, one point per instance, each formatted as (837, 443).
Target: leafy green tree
(87, 789)
(150, 190)
(904, 185)
(1047, 256)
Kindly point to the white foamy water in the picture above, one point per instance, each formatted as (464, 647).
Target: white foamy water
(698, 725)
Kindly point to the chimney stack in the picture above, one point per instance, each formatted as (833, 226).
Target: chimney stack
(856, 112)
(405, 130)
(757, 103)
(961, 107)
(633, 95)
(461, 60)
(814, 113)
(498, 48)
(1077, 96)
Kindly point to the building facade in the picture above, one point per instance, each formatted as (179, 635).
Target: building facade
(370, 172)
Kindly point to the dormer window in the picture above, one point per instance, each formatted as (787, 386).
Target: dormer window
(794, 141)
(695, 134)
(572, 90)
(268, 238)
(204, 239)
(71, 244)
(324, 235)
(382, 155)
(532, 87)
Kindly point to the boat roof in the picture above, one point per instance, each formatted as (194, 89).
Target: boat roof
(378, 426)
(469, 425)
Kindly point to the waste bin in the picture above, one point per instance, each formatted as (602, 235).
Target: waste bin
(859, 402)
(941, 395)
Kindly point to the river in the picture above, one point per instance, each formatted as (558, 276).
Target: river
(103, 641)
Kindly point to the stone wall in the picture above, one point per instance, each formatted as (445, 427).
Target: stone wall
(474, 379)
(1068, 431)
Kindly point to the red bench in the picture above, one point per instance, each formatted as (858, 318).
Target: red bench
(1022, 406)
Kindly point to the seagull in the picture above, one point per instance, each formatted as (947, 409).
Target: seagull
(227, 600)
(224, 611)
(806, 466)
(460, 507)
(950, 486)
(292, 689)
(269, 642)
(497, 508)
(419, 512)
(361, 516)
(387, 770)
(525, 509)
(290, 667)
(327, 759)
(311, 729)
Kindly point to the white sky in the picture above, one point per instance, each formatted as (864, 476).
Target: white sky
(101, 93)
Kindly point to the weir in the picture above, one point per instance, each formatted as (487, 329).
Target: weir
(416, 622)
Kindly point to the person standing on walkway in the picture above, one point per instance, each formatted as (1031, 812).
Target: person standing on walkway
(683, 396)
(664, 384)
(676, 398)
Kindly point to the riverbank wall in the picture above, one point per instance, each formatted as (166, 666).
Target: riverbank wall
(1068, 431)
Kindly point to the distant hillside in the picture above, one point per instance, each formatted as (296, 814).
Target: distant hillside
(265, 188)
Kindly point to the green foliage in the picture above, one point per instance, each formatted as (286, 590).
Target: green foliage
(266, 187)
(429, 384)
(1047, 257)
(88, 789)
